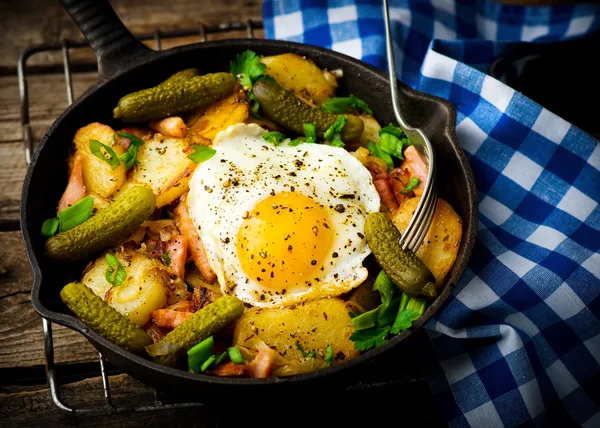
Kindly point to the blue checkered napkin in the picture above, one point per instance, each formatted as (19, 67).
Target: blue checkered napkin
(518, 342)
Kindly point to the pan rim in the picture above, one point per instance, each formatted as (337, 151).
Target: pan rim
(72, 322)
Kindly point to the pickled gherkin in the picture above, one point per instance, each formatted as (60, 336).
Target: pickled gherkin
(284, 108)
(102, 318)
(403, 267)
(105, 229)
(180, 93)
(204, 323)
(180, 76)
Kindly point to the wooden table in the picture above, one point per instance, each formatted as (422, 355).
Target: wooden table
(24, 396)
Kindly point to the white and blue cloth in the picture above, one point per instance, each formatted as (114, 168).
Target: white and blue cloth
(518, 342)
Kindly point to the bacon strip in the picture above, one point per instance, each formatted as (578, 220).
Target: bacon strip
(75, 190)
(178, 249)
(183, 306)
(195, 246)
(385, 193)
(416, 167)
(228, 369)
(262, 365)
(171, 127)
(399, 179)
(168, 318)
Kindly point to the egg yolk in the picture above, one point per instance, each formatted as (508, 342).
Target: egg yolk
(284, 240)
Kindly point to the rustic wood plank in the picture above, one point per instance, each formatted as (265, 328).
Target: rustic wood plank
(11, 182)
(50, 23)
(21, 337)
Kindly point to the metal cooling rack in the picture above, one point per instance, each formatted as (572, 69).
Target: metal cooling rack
(202, 31)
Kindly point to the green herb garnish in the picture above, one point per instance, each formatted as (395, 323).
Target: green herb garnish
(199, 354)
(365, 320)
(329, 355)
(412, 184)
(305, 354)
(108, 155)
(343, 104)
(235, 355)
(310, 131)
(205, 365)
(201, 153)
(393, 130)
(167, 258)
(247, 68)
(274, 137)
(410, 309)
(333, 133)
(376, 151)
(76, 213)
(296, 142)
(370, 338)
(115, 266)
(130, 156)
(220, 358)
(392, 145)
(50, 227)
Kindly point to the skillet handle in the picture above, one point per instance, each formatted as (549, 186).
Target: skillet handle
(115, 47)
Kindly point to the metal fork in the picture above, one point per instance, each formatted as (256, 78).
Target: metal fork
(421, 220)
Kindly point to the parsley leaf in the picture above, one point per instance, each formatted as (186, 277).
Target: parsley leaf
(404, 320)
(343, 104)
(370, 338)
(247, 68)
(305, 354)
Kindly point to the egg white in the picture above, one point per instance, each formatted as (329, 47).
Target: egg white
(247, 169)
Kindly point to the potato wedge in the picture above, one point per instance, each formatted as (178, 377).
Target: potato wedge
(207, 122)
(300, 75)
(145, 289)
(163, 167)
(370, 131)
(98, 175)
(314, 325)
(440, 246)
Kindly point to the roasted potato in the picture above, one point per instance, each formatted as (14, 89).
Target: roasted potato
(440, 246)
(302, 76)
(370, 131)
(98, 175)
(313, 325)
(164, 167)
(145, 289)
(207, 122)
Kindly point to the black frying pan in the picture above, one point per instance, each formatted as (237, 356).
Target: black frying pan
(125, 65)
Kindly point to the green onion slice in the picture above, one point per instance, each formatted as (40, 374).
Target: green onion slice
(76, 213)
(376, 151)
(412, 184)
(199, 354)
(115, 266)
(310, 131)
(207, 363)
(336, 128)
(167, 258)
(201, 153)
(329, 355)
(50, 227)
(130, 156)
(235, 355)
(274, 137)
(108, 155)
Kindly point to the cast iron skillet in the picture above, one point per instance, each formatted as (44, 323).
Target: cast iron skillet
(125, 65)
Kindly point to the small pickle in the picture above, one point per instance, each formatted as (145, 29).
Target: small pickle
(284, 108)
(105, 229)
(204, 323)
(404, 268)
(102, 318)
(180, 76)
(174, 96)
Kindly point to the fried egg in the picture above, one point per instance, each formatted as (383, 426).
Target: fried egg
(282, 224)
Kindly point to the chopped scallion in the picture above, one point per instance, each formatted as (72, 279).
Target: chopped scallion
(296, 142)
(310, 131)
(392, 146)
(167, 258)
(201, 153)
(329, 355)
(108, 155)
(235, 355)
(274, 137)
(130, 156)
(76, 213)
(50, 227)
(221, 358)
(365, 320)
(199, 354)
(115, 266)
(376, 151)
(342, 104)
(336, 128)
(306, 354)
(205, 365)
(412, 184)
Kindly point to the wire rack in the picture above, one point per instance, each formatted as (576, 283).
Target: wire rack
(64, 47)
